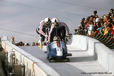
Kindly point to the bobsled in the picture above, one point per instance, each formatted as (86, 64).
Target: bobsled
(57, 50)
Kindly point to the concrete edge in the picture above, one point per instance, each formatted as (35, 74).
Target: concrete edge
(47, 69)
(104, 55)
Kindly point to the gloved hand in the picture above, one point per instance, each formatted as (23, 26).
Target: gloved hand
(67, 35)
(46, 36)
(48, 41)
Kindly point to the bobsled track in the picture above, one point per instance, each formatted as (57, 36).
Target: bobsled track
(89, 58)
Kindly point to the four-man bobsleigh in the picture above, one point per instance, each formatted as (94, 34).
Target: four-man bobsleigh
(56, 47)
(57, 51)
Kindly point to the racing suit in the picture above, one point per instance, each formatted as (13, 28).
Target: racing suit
(63, 30)
(42, 30)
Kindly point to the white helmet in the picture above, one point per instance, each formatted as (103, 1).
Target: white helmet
(54, 20)
(47, 19)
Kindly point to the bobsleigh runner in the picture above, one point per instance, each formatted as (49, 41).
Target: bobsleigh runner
(57, 51)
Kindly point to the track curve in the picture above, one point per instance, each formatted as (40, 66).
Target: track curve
(80, 63)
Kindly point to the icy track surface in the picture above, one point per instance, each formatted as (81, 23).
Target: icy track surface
(81, 64)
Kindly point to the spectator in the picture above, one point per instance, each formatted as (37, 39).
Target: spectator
(112, 31)
(109, 29)
(111, 13)
(86, 26)
(91, 18)
(27, 44)
(103, 25)
(105, 19)
(83, 23)
(90, 28)
(105, 29)
(33, 43)
(101, 29)
(95, 14)
(13, 40)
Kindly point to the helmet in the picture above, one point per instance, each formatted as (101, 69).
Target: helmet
(47, 20)
(54, 20)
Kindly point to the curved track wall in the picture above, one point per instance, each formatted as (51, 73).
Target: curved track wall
(102, 54)
(33, 66)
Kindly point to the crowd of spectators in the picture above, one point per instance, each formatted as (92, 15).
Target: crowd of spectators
(95, 24)
(21, 43)
(26, 44)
